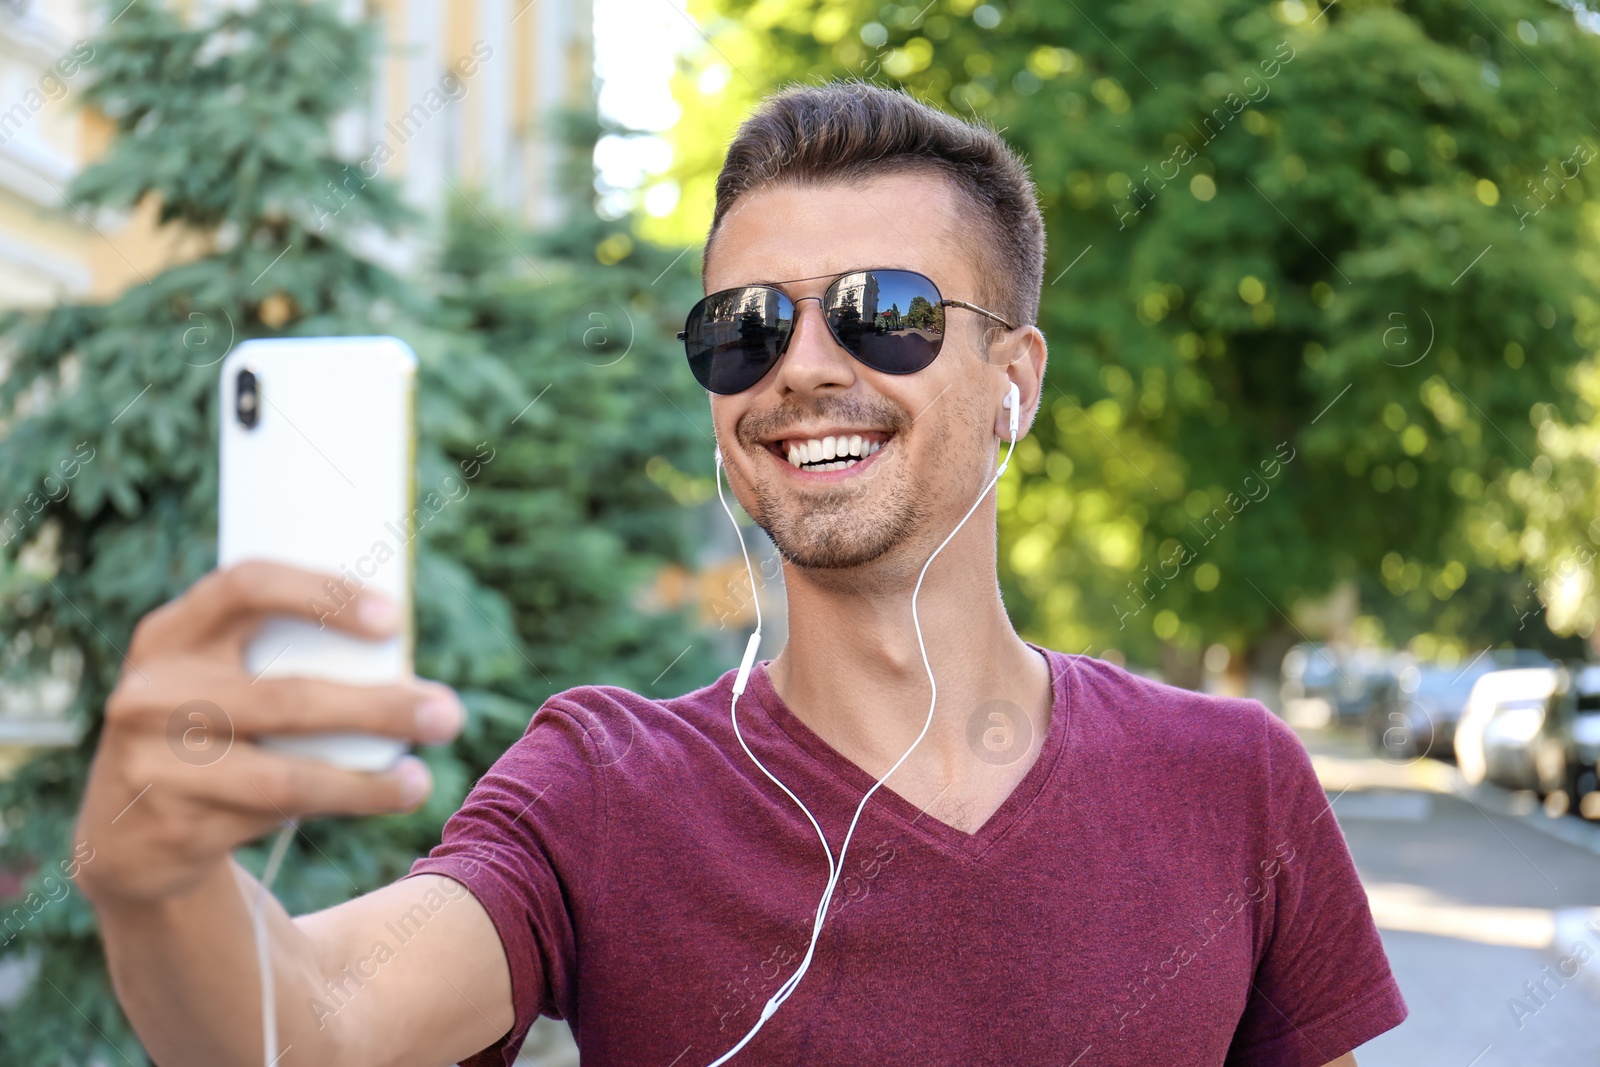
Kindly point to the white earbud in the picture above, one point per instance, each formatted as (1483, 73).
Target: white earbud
(1013, 404)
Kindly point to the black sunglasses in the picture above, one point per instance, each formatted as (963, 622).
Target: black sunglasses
(891, 320)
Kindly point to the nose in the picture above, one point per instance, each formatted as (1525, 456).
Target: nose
(813, 357)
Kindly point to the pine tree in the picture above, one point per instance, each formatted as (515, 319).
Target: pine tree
(524, 586)
(587, 495)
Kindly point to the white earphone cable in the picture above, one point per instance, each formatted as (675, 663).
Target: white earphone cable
(258, 920)
(749, 659)
(836, 868)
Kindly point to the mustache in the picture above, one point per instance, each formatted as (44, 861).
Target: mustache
(757, 427)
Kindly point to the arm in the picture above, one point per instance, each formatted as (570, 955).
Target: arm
(184, 969)
(437, 997)
(159, 821)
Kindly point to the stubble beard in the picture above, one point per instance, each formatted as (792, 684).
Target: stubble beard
(851, 526)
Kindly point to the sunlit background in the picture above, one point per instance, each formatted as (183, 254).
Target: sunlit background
(1320, 425)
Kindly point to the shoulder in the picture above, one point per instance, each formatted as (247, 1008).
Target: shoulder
(613, 701)
(1216, 773)
(1153, 710)
(590, 748)
(609, 722)
(1150, 720)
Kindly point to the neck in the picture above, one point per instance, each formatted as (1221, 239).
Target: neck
(852, 669)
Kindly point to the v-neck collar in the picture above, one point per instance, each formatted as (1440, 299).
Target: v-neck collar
(857, 781)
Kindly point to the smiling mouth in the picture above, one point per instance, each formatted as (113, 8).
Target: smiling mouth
(830, 453)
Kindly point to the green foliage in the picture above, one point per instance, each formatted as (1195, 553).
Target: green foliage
(1308, 276)
(573, 510)
(1560, 495)
(525, 585)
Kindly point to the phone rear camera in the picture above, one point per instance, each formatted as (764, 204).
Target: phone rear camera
(247, 398)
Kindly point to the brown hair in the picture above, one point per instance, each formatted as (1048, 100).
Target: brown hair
(851, 130)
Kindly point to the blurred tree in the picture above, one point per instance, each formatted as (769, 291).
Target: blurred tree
(588, 501)
(1559, 495)
(526, 584)
(1310, 270)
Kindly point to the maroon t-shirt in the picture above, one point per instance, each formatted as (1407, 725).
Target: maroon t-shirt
(1166, 885)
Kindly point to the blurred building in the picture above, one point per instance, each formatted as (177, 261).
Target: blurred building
(461, 97)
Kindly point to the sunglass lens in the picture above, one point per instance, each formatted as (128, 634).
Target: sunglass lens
(890, 319)
(734, 337)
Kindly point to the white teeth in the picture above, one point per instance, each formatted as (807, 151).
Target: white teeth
(831, 453)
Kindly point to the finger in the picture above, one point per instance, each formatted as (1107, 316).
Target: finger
(200, 708)
(421, 711)
(271, 784)
(231, 601)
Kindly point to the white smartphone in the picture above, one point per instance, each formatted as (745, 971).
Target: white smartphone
(317, 448)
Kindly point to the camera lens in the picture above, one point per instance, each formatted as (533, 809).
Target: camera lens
(247, 398)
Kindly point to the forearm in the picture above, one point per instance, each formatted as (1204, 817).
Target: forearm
(186, 972)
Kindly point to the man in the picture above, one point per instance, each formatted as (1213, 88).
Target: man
(1074, 865)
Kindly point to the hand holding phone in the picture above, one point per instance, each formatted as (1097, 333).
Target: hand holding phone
(317, 453)
(172, 789)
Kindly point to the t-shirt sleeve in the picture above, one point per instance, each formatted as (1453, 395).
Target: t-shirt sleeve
(1322, 985)
(528, 837)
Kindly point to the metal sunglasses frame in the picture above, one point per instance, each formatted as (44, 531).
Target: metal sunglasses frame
(943, 301)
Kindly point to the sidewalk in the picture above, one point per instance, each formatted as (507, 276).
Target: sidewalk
(1487, 907)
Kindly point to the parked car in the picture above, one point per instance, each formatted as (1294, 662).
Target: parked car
(1567, 748)
(1322, 683)
(1417, 716)
(1505, 712)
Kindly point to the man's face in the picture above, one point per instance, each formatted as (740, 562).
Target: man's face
(937, 425)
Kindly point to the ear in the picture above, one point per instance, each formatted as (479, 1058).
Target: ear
(1021, 357)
